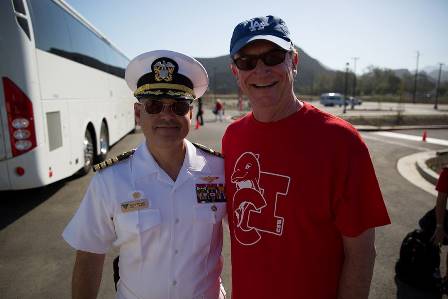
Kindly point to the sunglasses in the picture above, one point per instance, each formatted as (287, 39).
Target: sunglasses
(179, 108)
(271, 58)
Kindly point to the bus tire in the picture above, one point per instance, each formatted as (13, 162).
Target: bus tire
(103, 143)
(89, 152)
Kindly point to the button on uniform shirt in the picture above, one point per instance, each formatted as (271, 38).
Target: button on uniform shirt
(170, 241)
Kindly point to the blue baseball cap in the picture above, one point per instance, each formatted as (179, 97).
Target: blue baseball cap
(268, 28)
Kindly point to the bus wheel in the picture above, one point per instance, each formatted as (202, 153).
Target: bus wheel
(104, 143)
(88, 152)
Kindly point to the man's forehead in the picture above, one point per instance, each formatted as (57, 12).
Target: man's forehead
(257, 47)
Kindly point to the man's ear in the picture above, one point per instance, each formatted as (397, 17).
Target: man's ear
(137, 112)
(295, 60)
(234, 70)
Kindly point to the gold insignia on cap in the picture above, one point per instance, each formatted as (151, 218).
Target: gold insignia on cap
(163, 71)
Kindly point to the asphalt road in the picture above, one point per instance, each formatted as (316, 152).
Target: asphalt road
(36, 263)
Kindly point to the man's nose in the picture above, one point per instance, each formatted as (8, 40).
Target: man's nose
(261, 67)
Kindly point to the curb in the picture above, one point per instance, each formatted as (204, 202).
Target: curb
(408, 168)
(426, 172)
(364, 128)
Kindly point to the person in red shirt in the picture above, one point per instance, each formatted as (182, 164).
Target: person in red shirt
(303, 198)
(440, 235)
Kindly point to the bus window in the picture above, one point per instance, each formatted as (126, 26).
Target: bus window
(50, 29)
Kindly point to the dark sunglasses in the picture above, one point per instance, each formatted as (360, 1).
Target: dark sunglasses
(155, 106)
(249, 62)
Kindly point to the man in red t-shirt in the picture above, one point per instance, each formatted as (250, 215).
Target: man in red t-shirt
(303, 198)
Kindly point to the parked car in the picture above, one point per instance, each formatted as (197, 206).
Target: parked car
(354, 101)
(331, 99)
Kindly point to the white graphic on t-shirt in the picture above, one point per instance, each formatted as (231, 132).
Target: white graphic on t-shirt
(255, 201)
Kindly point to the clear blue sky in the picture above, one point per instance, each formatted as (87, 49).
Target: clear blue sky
(384, 33)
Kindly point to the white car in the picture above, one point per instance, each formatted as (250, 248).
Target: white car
(332, 99)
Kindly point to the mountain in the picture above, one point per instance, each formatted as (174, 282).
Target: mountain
(435, 75)
(223, 82)
(433, 72)
(402, 72)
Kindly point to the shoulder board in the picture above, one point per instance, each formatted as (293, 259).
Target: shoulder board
(207, 150)
(112, 161)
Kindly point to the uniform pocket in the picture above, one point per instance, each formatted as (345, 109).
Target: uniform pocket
(126, 227)
(205, 212)
(130, 225)
(148, 219)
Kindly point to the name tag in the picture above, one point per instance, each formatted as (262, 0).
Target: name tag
(134, 205)
(209, 193)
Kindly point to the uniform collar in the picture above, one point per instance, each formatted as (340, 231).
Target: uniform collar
(195, 159)
(143, 163)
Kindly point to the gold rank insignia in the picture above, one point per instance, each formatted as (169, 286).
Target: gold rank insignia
(207, 150)
(112, 161)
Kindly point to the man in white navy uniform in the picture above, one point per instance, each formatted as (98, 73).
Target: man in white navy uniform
(163, 204)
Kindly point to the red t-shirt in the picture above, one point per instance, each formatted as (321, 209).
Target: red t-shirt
(442, 183)
(302, 183)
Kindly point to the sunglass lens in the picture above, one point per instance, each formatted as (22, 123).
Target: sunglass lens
(274, 57)
(153, 106)
(181, 108)
(246, 63)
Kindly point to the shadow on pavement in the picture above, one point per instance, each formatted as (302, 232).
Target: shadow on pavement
(15, 204)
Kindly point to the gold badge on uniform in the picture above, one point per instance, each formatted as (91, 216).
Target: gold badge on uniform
(134, 205)
(210, 193)
(136, 201)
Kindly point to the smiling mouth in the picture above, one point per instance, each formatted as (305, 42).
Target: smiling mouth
(264, 85)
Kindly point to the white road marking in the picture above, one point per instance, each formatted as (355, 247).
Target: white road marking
(371, 137)
(412, 137)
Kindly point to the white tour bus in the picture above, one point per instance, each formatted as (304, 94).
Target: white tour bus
(63, 99)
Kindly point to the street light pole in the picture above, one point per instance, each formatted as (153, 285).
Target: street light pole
(345, 88)
(438, 85)
(354, 82)
(415, 80)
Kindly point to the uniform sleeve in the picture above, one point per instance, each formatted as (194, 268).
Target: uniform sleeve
(91, 229)
(442, 183)
(361, 205)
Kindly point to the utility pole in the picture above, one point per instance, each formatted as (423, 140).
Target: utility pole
(214, 83)
(438, 85)
(415, 80)
(354, 82)
(345, 88)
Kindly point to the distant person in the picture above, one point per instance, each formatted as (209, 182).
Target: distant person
(303, 198)
(163, 203)
(219, 110)
(200, 113)
(440, 236)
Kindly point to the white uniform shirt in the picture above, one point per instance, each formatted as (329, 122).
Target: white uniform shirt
(172, 249)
